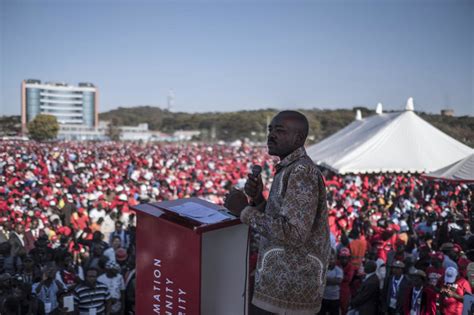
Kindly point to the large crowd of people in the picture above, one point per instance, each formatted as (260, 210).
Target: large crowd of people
(401, 244)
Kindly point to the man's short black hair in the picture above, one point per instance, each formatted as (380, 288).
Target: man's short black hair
(92, 269)
(370, 266)
(299, 118)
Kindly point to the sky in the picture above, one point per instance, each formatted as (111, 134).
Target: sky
(230, 55)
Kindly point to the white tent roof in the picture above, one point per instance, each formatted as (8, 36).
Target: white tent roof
(460, 171)
(388, 142)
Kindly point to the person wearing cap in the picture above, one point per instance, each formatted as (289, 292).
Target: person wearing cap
(349, 271)
(435, 272)
(453, 291)
(419, 298)
(367, 298)
(114, 281)
(395, 284)
(121, 257)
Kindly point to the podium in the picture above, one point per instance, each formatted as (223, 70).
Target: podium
(186, 267)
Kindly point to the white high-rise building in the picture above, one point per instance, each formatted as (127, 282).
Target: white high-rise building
(71, 105)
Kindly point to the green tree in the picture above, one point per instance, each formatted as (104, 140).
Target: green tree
(43, 127)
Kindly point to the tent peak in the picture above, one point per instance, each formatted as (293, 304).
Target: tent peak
(379, 109)
(410, 104)
(358, 115)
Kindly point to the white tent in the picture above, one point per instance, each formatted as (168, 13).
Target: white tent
(388, 142)
(460, 171)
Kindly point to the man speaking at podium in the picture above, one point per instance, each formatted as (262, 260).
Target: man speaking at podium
(293, 224)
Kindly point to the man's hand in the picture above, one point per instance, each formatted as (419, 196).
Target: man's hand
(254, 188)
(235, 201)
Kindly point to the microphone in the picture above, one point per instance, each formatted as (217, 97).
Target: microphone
(256, 170)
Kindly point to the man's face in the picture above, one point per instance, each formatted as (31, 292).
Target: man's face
(111, 272)
(6, 226)
(19, 228)
(343, 260)
(97, 236)
(116, 243)
(50, 272)
(68, 261)
(91, 277)
(453, 255)
(283, 137)
(397, 271)
(118, 227)
(417, 281)
(34, 224)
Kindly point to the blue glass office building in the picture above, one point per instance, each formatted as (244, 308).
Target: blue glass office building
(71, 105)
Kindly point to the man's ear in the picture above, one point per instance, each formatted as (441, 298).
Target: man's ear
(299, 139)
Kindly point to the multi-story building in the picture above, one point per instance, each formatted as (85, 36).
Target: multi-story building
(71, 105)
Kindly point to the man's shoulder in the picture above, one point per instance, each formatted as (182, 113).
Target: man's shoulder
(83, 287)
(305, 165)
(373, 279)
(80, 288)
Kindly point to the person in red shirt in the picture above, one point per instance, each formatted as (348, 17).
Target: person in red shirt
(80, 220)
(349, 271)
(453, 291)
(435, 272)
(420, 299)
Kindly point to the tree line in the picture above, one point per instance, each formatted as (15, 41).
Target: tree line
(229, 126)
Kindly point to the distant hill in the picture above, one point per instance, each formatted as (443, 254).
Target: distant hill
(252, 124)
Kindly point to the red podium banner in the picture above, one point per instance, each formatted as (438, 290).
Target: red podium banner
(186, 267)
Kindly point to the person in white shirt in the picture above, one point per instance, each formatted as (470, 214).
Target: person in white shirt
(331, 297)
(97, 213)
(114, 281)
